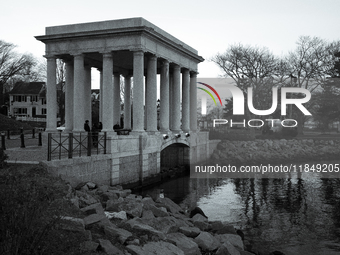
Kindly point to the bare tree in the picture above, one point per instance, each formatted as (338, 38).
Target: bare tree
(310, 65)
(12, 65)
(251, 67)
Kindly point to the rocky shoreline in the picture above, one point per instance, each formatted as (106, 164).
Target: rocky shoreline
(117, 222)
(276, 151)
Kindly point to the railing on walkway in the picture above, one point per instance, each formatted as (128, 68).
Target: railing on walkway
(75, 145)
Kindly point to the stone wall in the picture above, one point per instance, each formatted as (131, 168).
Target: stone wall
(132, 158)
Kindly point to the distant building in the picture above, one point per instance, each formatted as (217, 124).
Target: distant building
(28, 101)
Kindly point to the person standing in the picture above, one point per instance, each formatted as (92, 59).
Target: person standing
(86, 126)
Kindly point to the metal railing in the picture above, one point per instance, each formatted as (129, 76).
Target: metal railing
(75, 145)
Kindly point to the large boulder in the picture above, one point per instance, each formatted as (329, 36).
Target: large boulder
(156, 248)
(207, 242)
(186, 244)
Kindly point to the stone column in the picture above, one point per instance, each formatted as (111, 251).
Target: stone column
(193, 101)
(176, 99)
(127, 102)
(116, 98)
(100, 95)
(51, 95)
(151, 94)
(87, 91)
(107, 93)
(78, 94)
(185, 100)
(164, 93)
(69, 78)
(138, 91)
(171, 109)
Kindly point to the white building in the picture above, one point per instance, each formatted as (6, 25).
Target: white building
(28, 101)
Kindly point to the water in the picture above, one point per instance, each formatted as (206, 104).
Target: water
(294, 215)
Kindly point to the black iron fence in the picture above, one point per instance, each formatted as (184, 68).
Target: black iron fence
(72, 145)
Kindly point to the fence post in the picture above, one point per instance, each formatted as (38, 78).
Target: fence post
(22, 138)
(40, 139)
(3, 145)
(8, 135)
(33, 133)
(49, 146)
(89, 143)
(70, 145)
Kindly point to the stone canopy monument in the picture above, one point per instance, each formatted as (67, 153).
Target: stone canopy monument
(132, 48)
(144, 55)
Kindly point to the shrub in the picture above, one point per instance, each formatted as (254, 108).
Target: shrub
(32, 203)
(3, 157)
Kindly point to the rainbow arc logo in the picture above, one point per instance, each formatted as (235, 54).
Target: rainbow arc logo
(209, 93)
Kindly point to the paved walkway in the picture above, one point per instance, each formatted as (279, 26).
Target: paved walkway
(31, 154)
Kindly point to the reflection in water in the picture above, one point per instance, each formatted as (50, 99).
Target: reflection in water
(296, 214)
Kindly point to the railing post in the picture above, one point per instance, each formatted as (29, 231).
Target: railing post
(104, 142)
(33, 133)
(3, 144)
(60, 145)
(70, 145)
(8, 135)
(49, 146)
(89, 143)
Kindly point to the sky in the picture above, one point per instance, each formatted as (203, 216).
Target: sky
(207, 26)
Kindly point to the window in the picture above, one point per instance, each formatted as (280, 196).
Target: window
(20, 111)
(20, 98)
(34, 98)
(43, 111)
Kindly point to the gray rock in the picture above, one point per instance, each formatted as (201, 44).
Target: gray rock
(103, 188)
(206, 241)
(202, 225)
(117, 233)
(227, 249)
(108, 248)
(170, 205)
(116, 215)
(72, 224)
(149, 230)
(235, 240)
(148, 201)
(156, 248)
(246, 253)
(91, 185)
(199, 217)
(222, 228)
(186, 244)
(148, 214)
(88, 246)
(92, 209)
(155, 210)
(93, 218)
(190, 231)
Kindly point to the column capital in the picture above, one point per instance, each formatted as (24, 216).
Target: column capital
(176, 67)
(138, 51)
(77, 54)
(50, 57)
(193, 74)
(107, 54)
(165, 62)
(185, 71)
(152, 57)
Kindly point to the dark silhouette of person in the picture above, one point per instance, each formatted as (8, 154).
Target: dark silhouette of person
(86, 126)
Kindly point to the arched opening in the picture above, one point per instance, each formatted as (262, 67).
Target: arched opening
(175, 158)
